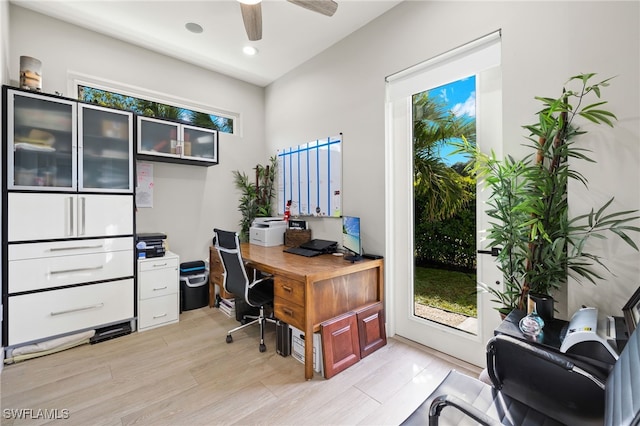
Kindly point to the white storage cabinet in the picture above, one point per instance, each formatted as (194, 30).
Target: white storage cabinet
(158, 291)
(68, 251)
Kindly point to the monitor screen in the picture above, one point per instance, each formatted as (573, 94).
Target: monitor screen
(351, 234)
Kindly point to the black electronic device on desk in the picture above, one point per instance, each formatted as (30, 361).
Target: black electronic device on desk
(313, 248)
(302, 251)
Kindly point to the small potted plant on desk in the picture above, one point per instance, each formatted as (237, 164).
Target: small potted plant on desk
(538, 244)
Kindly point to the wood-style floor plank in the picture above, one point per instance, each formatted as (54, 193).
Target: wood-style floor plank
(185, 374)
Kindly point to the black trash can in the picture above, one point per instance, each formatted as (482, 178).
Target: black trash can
(194, 285)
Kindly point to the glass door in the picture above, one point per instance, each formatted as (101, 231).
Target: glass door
(41, 142)
(105, 149)
(422, 208)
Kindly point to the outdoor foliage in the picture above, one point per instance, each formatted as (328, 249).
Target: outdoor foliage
(444, 196)
(154, 109)
(449, 242)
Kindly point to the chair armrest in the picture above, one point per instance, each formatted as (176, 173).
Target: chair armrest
(453, 401)
(258, 281)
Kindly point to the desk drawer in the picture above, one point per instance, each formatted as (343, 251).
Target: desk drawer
(158, 311)
(155, 263)
(289, 290)
(158, 282)
(289, 312)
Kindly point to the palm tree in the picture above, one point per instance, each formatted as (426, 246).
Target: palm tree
(158, 110)
(442, 190)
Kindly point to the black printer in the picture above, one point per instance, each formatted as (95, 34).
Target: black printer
(154, 244)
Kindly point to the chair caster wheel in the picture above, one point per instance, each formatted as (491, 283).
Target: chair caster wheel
(263, 347)
(229, 338)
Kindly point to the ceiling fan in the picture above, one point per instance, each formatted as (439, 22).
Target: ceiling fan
(252, 13)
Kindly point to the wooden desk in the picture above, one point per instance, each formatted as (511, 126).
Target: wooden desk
(310, 290)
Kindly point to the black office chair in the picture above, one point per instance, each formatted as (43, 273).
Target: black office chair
(535, 386)
(257, 292)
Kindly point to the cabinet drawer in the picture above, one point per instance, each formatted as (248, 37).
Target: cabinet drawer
(159, 263)
(289, 312)
(40, 274)
(157, 311)
(158, 282)
(41, 315)
(69, 248)
(290, 290)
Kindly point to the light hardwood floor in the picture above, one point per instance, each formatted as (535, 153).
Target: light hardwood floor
(185, 374)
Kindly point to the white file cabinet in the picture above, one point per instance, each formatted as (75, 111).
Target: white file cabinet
(158, 291)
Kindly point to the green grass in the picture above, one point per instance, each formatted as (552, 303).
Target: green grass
(449, 290)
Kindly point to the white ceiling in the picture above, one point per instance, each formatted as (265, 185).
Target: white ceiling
(290, 34)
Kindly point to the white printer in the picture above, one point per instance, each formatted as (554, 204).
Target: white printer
(267, 231)
(588, 336)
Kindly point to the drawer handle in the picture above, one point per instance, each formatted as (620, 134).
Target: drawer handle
(287, 311)
(84, 308)
(65, 271)
(158, 265)
(75, 248)
(159, 316)
(160, 288)
(287, 289)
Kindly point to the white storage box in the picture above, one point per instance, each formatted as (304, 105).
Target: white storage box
(297, 348)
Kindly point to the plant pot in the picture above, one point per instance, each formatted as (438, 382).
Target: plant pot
(544, 305)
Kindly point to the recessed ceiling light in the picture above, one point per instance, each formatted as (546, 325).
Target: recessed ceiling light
(249, 50)
(193, 27)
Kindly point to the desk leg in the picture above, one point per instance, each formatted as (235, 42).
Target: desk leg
(308, 352)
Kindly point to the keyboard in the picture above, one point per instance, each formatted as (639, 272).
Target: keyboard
(302, 251)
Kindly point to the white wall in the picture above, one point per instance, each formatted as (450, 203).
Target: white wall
(544, 43)
(189, 201)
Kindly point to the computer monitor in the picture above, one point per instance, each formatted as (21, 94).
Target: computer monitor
(351, 237)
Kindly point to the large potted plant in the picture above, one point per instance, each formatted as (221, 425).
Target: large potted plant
(539, 245)
(257, 196)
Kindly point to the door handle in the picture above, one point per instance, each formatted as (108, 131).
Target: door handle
(495, 251)
(71, 231)
(72, 310)
(82, 209)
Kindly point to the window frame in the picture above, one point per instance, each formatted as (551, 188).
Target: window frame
(77, 80)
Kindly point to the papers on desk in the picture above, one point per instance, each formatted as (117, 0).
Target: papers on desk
(228, 307)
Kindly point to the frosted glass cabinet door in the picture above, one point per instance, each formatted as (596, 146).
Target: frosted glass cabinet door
(200, 144)
(105, 147)
(41, 142)
(158, 137)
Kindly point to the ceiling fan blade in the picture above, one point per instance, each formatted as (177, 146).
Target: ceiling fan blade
(325, 7)
(252, 17)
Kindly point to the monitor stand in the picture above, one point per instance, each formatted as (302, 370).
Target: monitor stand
(353, 258)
